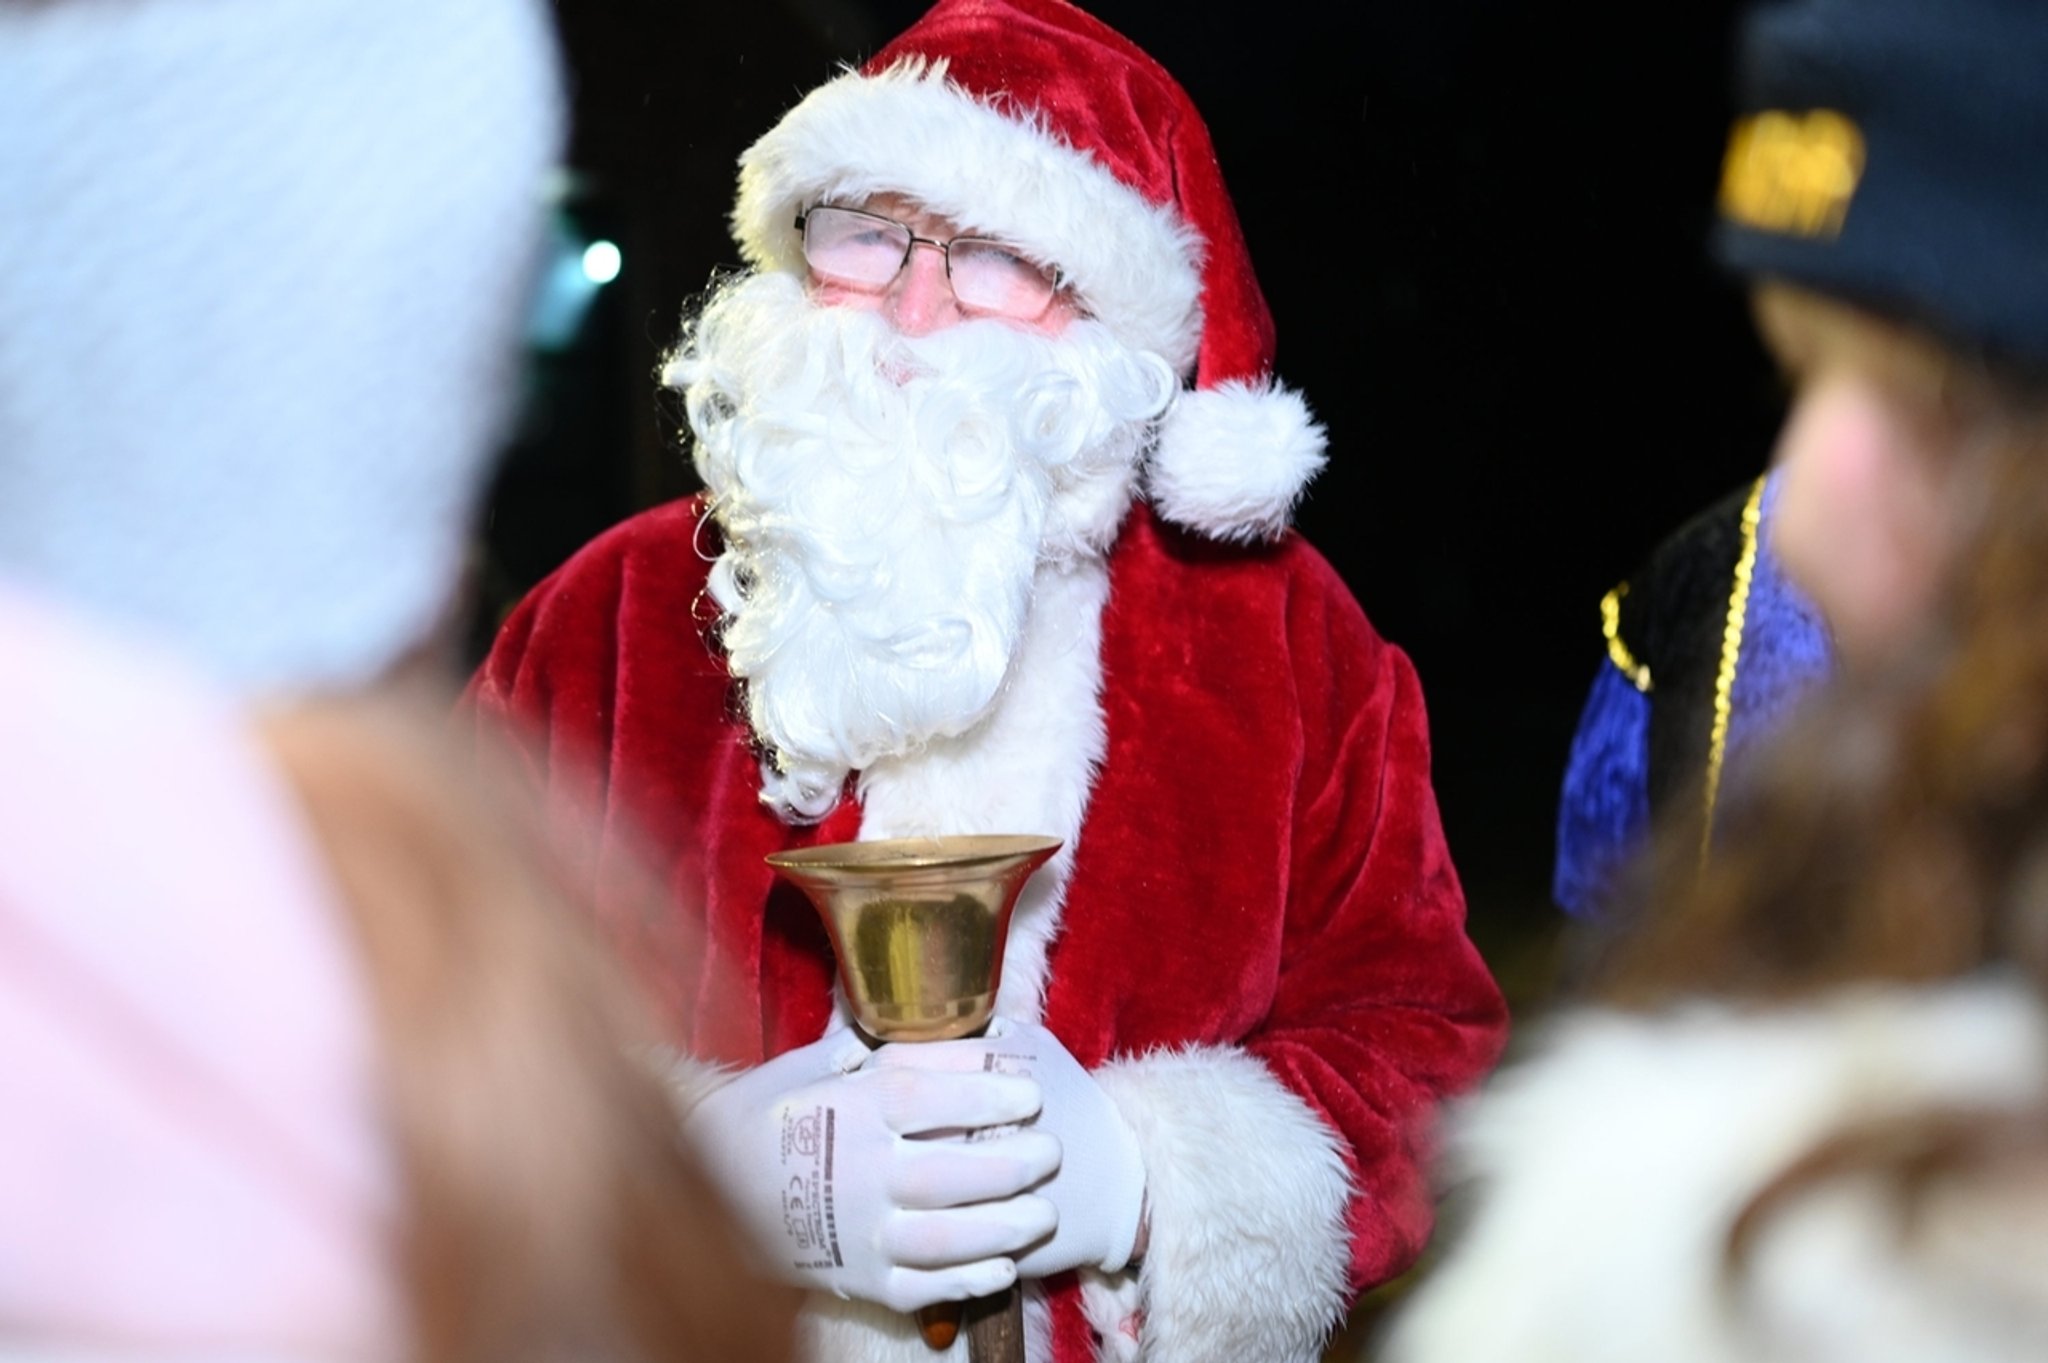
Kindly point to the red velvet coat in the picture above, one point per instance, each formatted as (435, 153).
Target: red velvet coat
(1261, 875)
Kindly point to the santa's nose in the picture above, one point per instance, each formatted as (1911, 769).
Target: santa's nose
(921, 301)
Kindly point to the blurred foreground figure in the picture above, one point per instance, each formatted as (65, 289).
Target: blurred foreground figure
(306, 1057)
(1814, 1124)
(996, 541)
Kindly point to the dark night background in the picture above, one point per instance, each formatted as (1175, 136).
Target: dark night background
(1481, 228)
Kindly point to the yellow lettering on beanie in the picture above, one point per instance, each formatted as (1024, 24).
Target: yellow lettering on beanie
(1792, 173)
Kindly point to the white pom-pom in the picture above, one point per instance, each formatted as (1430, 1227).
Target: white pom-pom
(1232, 461)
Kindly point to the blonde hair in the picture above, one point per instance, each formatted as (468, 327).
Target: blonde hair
(551, 1211)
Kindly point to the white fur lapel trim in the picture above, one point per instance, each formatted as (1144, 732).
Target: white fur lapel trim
(910, 130)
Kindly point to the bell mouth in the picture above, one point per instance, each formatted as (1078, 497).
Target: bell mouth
(918, 925)
(964, 851)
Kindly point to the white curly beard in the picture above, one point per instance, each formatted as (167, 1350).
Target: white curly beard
(885, 503)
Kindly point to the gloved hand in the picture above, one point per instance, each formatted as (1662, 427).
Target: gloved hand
(1099, 1191)
(823, 1163)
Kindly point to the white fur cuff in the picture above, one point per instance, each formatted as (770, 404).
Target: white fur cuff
(1248, 1191)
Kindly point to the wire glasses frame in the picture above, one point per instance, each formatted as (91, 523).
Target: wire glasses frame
(867, 251)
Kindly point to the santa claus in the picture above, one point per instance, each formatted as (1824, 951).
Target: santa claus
(995, 540)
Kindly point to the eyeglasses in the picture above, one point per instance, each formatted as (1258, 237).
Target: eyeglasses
(867, 251)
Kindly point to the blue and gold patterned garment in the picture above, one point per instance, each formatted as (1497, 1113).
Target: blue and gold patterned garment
(1708, 647)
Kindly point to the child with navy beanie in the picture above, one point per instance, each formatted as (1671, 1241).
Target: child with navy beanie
(1809, 1120)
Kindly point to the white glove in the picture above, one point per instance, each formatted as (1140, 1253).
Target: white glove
(1099, 1190)
(816, 1158)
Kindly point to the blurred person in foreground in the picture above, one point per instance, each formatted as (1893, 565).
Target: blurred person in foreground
(1813, 1122)
(996, 541)
(307, 1055)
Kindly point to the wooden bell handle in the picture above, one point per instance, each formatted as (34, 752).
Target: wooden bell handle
(995, 1326)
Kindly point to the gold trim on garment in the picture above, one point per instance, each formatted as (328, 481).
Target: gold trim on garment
(1610, 625)
(1731, 655)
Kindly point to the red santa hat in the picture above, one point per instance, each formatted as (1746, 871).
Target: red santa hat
(1032, 121)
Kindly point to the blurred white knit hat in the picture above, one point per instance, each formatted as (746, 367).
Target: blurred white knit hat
(263, 267)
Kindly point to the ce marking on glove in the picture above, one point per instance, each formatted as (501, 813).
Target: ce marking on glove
(1009, 1062)
(808, 1210)
(1004, 1062)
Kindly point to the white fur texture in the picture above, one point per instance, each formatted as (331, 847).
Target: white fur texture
(912, 131)
(886, 501)
(1232, 461)
(1611, 1165)
(1115, 1306)
(1248, 1188)
(690, 1080)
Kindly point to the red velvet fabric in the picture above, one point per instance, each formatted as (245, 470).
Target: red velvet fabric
(1261, 866)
